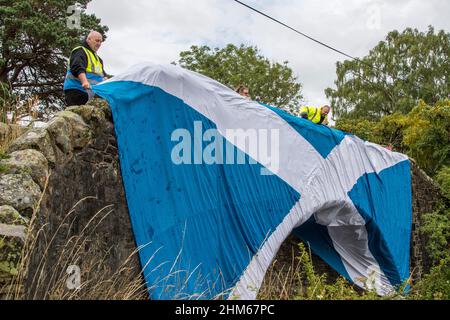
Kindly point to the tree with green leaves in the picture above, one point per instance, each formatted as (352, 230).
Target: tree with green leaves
(399, 71)
(423, 134)
(275, 83)
(428, 136)
(36, 38)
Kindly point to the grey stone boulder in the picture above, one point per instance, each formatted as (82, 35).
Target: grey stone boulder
(10, 216)
(90, 114)
(27, 161)
(38, 139)
(61, 132)
(20, 192)
(81, 134)
(12, 237)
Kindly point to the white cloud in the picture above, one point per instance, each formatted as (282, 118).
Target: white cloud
(143, 30)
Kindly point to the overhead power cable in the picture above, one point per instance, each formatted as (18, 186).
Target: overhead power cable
(295, 30)
(304, 35)
(315, 40)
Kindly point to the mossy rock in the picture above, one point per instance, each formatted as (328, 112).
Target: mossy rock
(90, 114)
(12, 237)
(20, 192)
(81, 134)
(38, 139)
(10, 216)
(28, 161)
(10, 254)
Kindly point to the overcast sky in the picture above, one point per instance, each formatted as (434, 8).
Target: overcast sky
(158, 30)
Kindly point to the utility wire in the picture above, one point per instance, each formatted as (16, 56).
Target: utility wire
(305, 35)
(315, 40)
(295, 30)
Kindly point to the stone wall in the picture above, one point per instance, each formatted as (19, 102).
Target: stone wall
(426, 196)
(69, 171)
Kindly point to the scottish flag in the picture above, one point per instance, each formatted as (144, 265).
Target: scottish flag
(215, 183)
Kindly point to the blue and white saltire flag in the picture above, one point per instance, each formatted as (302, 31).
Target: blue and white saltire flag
(215, 183)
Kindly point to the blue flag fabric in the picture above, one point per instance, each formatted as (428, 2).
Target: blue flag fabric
(215, 183)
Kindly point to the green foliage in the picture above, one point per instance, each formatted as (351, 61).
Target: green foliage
(388, 131)
(424, 134)
(319, 288)
(407, 66)
(274, 83)
(363, 128)
(428, 135)
(436, 226)
(34, 43)
(435, 285)
(443, 179)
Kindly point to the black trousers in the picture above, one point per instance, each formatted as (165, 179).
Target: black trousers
(75, 97)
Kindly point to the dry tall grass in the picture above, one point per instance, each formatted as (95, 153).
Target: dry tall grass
(12, 114)
(45, 281)
(283, 280)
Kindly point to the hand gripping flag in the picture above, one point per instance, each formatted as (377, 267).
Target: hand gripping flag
(215, 183)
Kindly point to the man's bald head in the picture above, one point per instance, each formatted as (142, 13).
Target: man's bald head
(94, 40)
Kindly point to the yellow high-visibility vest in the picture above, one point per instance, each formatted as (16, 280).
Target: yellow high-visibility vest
(94, 72)
(94, 64)
(313, 114)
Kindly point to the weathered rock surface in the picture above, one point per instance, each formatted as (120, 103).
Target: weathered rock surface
(82, 219)
(12, 236)
(80, 133)
(27, 161)
(9, 215)
(60, 129)
(20, 192)
(38, 139)
(84, 210)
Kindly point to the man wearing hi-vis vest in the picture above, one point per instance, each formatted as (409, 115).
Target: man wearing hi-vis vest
(85, 68)
(316, 115)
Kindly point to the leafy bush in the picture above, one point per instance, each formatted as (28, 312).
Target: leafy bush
(319, 288)
(363, 128)
(435, 285)
(423, 134)
(436, 226)
(443, 179)
(427, 135)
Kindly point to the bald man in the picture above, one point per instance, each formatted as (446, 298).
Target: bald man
(316, 115)
(85, 69)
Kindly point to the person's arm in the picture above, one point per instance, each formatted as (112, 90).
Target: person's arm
(304, 112)
(84, 81)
